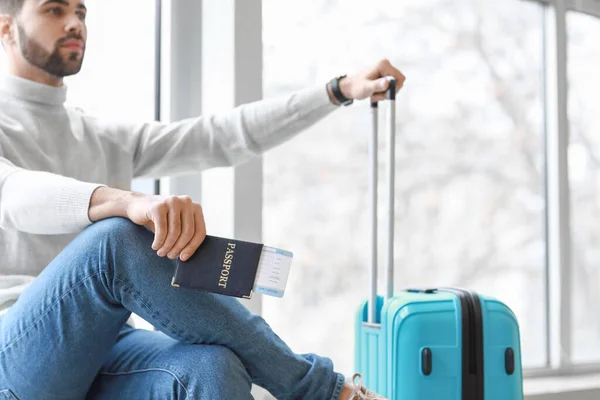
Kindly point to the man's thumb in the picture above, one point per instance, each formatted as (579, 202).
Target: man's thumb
(380, 85)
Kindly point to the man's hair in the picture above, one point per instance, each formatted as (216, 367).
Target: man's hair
(11, 7)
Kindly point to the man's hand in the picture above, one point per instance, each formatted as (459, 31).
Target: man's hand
(371, 83)
(177, 222)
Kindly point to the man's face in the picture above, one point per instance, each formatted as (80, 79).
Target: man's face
(52, 35)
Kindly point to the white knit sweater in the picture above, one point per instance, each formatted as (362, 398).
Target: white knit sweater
(53, 157)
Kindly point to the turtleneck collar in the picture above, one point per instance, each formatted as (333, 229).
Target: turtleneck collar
(32, 91)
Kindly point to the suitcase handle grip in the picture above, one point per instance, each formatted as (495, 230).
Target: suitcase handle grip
(373, 150)
(390, 93)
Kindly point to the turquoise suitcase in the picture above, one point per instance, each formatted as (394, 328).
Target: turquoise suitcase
(431, 344)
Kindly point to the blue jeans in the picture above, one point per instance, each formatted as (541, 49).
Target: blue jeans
(67, 338)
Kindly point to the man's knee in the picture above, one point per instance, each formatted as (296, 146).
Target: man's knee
(116, 232)
(114, 226)
(113, 241)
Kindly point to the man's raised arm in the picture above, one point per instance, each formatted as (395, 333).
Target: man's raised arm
(235, 136)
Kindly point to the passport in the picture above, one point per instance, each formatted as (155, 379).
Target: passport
(235, 268)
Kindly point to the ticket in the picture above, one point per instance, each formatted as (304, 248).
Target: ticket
(273, 271)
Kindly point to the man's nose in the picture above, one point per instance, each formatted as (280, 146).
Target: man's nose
(74, 25)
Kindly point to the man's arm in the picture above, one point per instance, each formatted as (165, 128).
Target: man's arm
(45, 203)
(49, 204)
(177, 222)
(223, 139)
(107, 202)
(232, 137)
(42, 203)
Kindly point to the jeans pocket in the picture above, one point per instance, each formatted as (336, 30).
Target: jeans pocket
(7, 395)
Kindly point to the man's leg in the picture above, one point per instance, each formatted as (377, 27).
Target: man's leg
(152, 366)
(56, 336)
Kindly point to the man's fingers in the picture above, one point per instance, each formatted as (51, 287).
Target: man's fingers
(174, 224)
(378, 97)
(159, 218)
(198, 238)
(187, 233)
(400, 78)
(385, 68)
(378, 86)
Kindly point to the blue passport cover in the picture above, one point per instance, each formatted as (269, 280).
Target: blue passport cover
(220, 265)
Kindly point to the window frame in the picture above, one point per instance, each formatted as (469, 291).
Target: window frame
(558, 244)
(243, 37)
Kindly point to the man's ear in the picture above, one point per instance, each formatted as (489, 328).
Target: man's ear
(6, 32)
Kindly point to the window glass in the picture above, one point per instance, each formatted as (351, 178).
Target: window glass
(583, 64)
(470, 199)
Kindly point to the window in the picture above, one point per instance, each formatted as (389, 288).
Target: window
(470, 161)
(584, 179)
(117, 78)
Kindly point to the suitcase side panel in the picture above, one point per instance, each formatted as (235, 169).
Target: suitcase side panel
(430, 321)
(501, 331)
(370, 350)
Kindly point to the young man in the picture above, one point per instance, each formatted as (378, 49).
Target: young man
(80, 252)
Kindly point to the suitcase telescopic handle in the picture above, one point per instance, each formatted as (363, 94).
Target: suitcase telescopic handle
(390, 129)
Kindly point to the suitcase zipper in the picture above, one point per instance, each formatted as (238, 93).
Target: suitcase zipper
(472, 340)
(475, 342)
(472, 336)
(472, 370)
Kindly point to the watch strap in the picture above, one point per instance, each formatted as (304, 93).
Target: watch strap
(337, 92)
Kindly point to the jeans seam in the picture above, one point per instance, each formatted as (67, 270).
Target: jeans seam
(138, 297)
(135, 371)
(339, 386)
(11, 343)
(10, 394)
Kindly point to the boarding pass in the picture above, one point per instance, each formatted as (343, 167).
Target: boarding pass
(273, 271)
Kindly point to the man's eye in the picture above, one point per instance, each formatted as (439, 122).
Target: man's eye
(81, 15)
(55, 10)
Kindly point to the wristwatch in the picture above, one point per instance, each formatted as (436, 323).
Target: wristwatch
(337, 93)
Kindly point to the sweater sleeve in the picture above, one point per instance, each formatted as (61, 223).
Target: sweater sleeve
(42, 203)
(225, 139)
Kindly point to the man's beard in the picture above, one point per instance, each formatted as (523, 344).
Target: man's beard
(52, 63)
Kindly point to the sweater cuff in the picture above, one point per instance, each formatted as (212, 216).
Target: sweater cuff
(73, 204)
